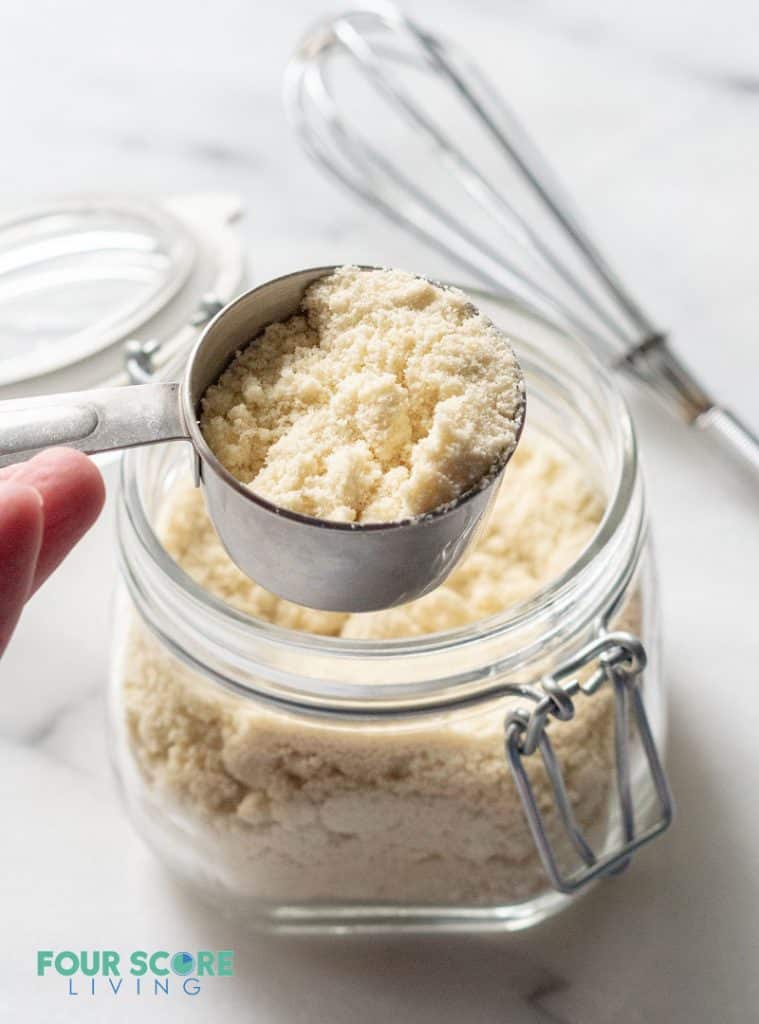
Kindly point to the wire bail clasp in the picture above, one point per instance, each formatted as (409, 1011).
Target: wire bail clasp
(620, 659)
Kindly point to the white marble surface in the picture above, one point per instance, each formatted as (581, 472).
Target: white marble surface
(651, 110)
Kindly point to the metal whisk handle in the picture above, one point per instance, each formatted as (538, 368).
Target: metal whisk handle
(733, 436)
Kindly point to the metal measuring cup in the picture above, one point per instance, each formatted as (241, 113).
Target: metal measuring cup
(316, 562)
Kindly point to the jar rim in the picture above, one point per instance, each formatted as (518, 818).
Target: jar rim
(499, 625)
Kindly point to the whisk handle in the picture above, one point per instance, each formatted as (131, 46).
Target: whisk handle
(734, 437)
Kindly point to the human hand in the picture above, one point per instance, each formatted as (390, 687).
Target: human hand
(46, 505)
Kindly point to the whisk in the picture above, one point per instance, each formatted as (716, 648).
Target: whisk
(525, 241)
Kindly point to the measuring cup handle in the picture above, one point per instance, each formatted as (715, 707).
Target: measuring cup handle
(92, 421)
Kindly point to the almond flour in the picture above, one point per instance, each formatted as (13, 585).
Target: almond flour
(273, 808)
(387, 397)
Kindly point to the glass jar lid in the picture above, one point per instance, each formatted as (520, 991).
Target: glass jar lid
(81, 276)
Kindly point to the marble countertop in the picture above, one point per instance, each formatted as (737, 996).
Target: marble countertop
(650, 110)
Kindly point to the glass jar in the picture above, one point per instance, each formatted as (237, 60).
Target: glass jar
(454, 779)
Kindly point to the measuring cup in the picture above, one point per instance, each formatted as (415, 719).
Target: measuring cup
(335, 566)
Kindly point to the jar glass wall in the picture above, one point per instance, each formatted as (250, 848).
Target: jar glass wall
(307, 780)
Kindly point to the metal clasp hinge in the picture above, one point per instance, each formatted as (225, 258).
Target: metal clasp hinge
(620, 659)
(140, 355)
